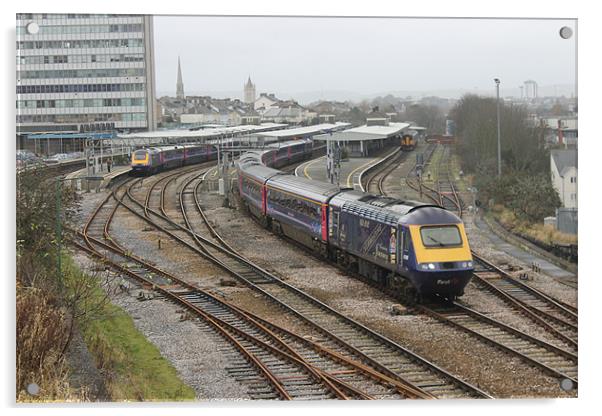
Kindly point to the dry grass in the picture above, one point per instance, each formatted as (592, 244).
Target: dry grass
(42, 331)
(546, 233)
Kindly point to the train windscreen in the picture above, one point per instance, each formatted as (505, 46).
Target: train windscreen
(441, 236)
(140, 155)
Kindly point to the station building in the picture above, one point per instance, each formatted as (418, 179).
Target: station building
(366, 140)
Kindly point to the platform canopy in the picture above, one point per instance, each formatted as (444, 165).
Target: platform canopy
(366, 133)
(59, 136)
(204, 133)
(308, 131)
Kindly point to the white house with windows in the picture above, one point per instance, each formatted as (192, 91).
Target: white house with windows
(564, 175)
(265, 102)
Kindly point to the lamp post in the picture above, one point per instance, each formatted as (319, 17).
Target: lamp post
(499, 145)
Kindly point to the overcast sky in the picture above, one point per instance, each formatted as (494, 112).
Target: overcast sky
(359, 56)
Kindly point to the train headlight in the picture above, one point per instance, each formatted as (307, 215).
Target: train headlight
(470, 264)
(431, 266)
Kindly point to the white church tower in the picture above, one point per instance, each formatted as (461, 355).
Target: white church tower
(249, 92)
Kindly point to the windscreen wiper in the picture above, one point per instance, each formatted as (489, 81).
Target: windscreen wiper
(437, 241)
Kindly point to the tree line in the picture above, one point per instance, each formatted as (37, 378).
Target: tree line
(525, 186)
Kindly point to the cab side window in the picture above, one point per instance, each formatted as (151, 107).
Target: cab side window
(406, 240)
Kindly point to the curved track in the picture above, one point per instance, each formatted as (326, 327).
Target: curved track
(341, 334)
(277, 363)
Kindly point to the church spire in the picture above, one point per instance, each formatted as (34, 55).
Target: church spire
(179, 84)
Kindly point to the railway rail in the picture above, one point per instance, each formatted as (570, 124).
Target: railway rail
(555, 317)
(341, 334)
(281, 365)
(374, 183)
(555, 361)
(444, 193)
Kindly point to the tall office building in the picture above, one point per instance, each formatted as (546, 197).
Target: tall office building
(84, 73)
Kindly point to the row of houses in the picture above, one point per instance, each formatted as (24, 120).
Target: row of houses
(226, 111)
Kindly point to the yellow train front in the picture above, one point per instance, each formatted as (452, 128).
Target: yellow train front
(436, 256)
(408, 142)
(415, 249)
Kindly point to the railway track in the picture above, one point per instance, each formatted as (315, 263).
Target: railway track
(446, 189)
(444, 192)
(556, 318)
(339, 333)
(374, 184)
(555, 361)
(275, 363)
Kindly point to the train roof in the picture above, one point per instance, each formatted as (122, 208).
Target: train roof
(249, 158)
(317, 191)
(392, 211)
(430, 215)
(156, 149)
(288, 143)
(258, 171)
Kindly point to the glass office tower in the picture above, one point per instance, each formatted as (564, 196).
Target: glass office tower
(84, 73)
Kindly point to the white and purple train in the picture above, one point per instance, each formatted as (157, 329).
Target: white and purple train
(414, 249)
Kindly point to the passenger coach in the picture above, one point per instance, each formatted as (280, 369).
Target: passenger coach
(416, 250)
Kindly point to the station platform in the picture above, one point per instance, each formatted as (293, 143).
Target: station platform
(351, 170)
(98, 181)
(547, 268)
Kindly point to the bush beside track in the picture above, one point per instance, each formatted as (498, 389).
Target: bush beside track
(52, 306)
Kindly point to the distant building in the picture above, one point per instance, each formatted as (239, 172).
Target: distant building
(225, 111)
(180, 84)
(377, 118)
(249, 92)
(530, 89)
(564, 175)
(326, 118)
(330, 107)
(561, 131)
(288, 112)
(265, 101)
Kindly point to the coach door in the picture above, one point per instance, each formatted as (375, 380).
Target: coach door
(404, 244)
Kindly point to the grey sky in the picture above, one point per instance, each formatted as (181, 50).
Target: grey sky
(359, 56)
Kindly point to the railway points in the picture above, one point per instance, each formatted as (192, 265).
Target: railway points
(344, 326)
(555, 317)
(153, 203)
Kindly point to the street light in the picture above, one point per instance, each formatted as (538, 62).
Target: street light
(499, 146)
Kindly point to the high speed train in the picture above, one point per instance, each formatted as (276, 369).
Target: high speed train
(414, 249)
(151, 160)
(155, 159)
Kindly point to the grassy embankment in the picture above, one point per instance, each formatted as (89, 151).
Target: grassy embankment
(133, 366)
(546, 233)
